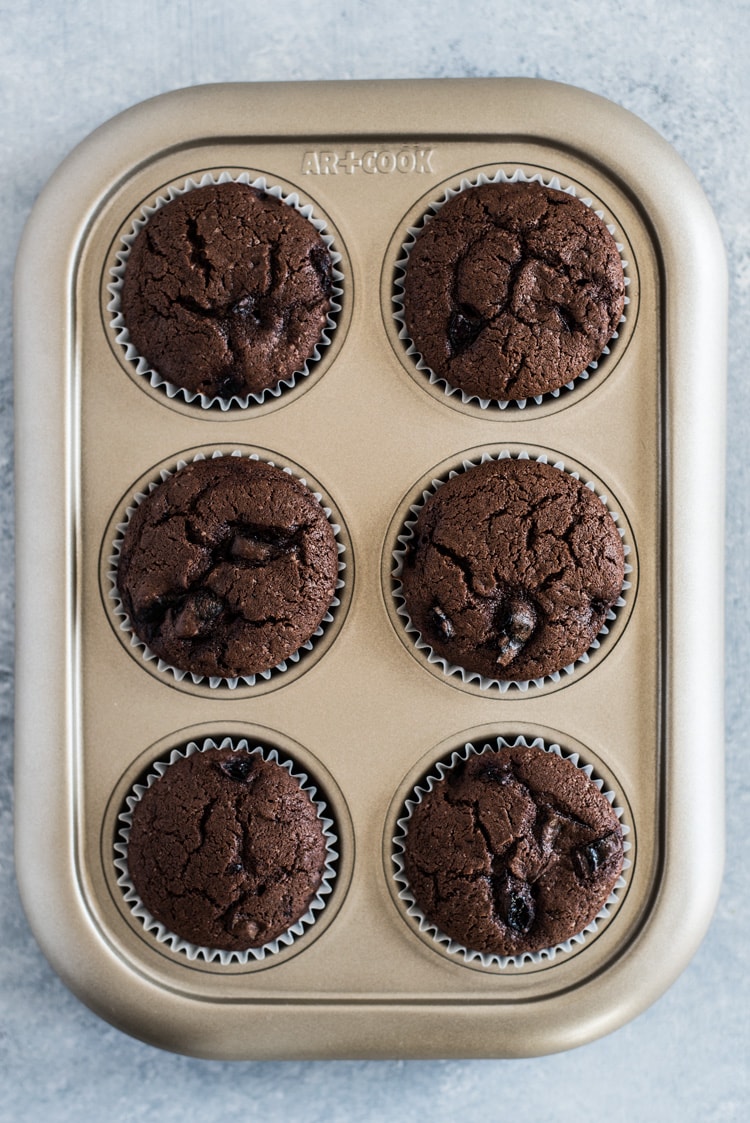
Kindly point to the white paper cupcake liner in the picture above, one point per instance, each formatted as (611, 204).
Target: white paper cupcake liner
(142, 366)
(123, 620)
(501, 176)
(163, 935)
(399, 555)
(444, 942)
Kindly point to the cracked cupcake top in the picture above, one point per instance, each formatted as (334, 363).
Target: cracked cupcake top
(227, 290)
(226, 850)
(227, 567)
(512, 289)
(512, 568)
(513, 851)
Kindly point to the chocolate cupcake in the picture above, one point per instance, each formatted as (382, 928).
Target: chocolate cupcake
(226, 293)
(509, 851)
(510, 569)
(225, 850)
(511, 290)
(227, 567)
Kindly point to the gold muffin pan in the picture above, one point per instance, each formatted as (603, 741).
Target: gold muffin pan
(364, 713)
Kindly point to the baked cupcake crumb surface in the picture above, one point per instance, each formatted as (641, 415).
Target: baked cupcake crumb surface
(512, 289)
(226, 850)
(512, 851)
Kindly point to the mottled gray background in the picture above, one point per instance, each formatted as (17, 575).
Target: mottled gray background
(682, 66)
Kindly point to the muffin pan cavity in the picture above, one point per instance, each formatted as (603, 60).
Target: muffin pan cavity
(243, 304)
(441, 766)
(365, 711)
(401, 540)
(314, 780)
(295, 663)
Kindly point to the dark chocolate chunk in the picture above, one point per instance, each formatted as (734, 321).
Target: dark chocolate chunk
(593, 856)
(196, 614)
(441, 622)
(463, 329)
(518, 623)
(237, 767)
(515, 903)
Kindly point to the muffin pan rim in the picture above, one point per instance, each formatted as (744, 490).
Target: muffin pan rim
(442, 755)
